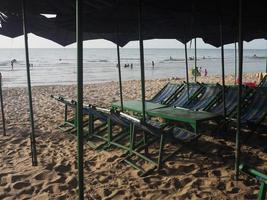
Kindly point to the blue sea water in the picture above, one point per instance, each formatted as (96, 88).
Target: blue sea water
(58, 66)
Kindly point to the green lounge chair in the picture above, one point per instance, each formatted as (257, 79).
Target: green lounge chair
(69, 123)
(230, 101)
(182, 98)
(211, 93)
(261, 177)
(166, 93)
(254, 111)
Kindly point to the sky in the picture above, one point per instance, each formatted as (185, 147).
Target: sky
(37, 42)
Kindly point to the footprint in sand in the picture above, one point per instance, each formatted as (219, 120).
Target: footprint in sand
(50, 166)
(72, 182)
(21, 184)
(112, 159)
(45, 175)
(12, 178)
(221, 186)
(216, 173)
(63, 168)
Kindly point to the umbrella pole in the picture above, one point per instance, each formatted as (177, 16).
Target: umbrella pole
(2, 107)
(142, 64)
(223, 74)
(119, 68)
(79, 39)
(235, 63)
(186, 68)
(195, 59)
(32, 135)
(240, 70)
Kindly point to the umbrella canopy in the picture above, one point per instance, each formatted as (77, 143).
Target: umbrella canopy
(169, 19)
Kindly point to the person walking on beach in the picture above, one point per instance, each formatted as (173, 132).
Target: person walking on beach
(153, 64)
(206, 72)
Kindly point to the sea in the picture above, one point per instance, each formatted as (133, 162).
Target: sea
(58, 66)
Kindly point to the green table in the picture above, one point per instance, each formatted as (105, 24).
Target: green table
(183, 115)
(136, 106)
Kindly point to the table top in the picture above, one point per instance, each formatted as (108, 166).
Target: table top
(136, 105)
(182, 115)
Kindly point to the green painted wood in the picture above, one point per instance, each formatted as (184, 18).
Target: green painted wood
(182, 115)
(136, 106)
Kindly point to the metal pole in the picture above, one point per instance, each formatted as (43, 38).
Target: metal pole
(240, 70)
(79, 39)
(32, 135)
(195, 59)
(142, 64)
(119, 67)
(223, 74)
(186, 68)
(2, 107)
(235, 63)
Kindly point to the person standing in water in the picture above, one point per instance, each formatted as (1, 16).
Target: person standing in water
(12, 63)
(153, 64)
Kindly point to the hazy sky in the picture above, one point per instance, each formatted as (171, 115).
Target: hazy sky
(37, 42)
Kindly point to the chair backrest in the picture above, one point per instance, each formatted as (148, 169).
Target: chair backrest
(182, 98)
(230, 102)
(263, 82)
(166, 92)
(256, 110)
(126, 120)
(100, 113)
(210, 94)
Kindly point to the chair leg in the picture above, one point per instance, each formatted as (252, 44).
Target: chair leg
(132, 139)
(91, 124)
(66, 113)
(109, 131)
(262, 192)
(161, 148)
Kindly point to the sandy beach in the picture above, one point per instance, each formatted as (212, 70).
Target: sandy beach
(191, 174)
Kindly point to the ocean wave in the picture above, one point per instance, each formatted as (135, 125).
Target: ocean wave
(130, 58)
(5, 63)
(256, 57)
(101, 60)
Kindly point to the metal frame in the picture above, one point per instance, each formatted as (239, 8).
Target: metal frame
(262, 178)
(223, 74)
(195, 40)
(119, 70)
(2, 107)
(142, 64)
(186, 69)
(79, 39)
(32, 134)
(235, 63)
(240, 73)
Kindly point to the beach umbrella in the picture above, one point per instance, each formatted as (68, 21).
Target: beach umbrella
(252, 20)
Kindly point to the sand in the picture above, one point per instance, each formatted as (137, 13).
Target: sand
(189, 175)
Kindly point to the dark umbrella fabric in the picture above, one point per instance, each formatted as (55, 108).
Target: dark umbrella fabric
(169, 19)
